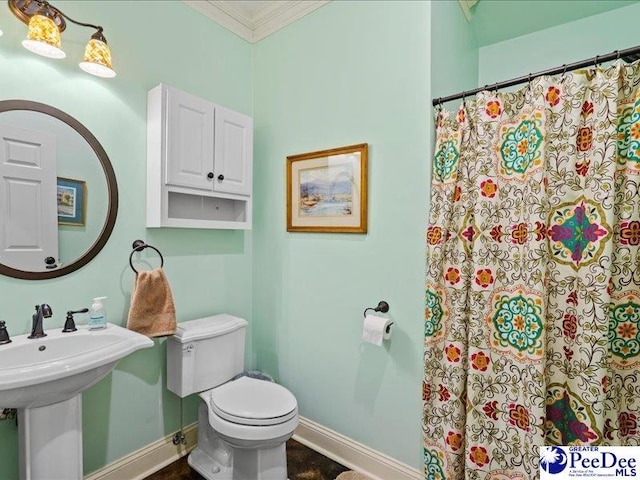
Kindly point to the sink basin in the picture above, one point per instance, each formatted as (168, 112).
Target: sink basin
(38, 372)
(43, 378)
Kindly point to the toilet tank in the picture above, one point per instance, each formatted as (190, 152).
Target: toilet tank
(205, 353)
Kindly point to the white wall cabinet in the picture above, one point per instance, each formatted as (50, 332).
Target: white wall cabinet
(199, 162)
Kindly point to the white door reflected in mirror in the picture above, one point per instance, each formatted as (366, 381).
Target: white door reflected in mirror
(29, 220)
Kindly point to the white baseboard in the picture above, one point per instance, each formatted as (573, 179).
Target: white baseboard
(331, 444)
(149, 459)
(352, 454)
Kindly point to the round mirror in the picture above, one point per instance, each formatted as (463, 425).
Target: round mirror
(58, 192)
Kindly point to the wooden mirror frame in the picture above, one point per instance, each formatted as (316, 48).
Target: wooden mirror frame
(112, 188)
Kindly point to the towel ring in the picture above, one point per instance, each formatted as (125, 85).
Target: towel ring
(138, 246)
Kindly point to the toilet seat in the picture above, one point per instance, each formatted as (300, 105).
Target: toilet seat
(237, 434)
(251, 410)
(248, 401)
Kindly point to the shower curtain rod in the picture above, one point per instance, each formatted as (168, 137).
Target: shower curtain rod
(629, 52)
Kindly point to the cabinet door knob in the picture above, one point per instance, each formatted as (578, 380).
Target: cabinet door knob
(210, 175)
(220, 177)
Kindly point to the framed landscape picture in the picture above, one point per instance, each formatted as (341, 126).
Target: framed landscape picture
(327, 190)
(72, 201)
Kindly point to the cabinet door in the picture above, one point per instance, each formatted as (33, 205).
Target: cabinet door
(234, 152)
(189, 161)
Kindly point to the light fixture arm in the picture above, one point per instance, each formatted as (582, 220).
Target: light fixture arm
(82, 24)
(68, 18)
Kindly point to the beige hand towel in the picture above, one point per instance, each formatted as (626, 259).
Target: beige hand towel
(152, 312)
(350, 475)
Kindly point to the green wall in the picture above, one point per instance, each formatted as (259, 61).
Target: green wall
(210, 271)
(454, 52)
(571, 42)
(351, 72)
(499, 20)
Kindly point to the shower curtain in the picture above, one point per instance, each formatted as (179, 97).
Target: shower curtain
(532, 315)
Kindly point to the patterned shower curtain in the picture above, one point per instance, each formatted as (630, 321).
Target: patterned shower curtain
(532, 318)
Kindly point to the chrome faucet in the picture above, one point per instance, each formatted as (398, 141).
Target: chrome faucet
(42, 311)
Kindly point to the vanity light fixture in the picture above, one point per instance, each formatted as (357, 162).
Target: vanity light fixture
(46, 23)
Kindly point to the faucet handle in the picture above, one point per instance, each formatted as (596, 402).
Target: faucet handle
(69, 324)
(4, 335)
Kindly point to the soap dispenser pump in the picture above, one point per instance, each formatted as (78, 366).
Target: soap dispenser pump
(98, 315)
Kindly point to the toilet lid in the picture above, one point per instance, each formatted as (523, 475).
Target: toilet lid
(249, 401)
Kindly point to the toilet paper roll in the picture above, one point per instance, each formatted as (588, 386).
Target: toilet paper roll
(374, 329)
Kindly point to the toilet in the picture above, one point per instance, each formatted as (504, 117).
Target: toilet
(243, 424)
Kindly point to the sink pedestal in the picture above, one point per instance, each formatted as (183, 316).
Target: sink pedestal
(44, 378)
(50, 440)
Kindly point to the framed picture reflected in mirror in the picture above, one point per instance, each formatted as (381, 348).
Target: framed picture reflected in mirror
(72, 201)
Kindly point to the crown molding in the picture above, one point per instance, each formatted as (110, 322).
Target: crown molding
(255, 25)
(466, 8)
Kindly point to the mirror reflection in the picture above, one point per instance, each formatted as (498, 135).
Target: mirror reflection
(56, 200)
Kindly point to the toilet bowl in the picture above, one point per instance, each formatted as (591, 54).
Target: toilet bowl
(243, 424)
(246, 424)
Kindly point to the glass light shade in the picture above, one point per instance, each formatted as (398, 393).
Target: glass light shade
(43, 37)
(97, 59)
(0, 32)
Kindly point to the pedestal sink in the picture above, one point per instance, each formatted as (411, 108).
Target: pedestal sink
(43, 379)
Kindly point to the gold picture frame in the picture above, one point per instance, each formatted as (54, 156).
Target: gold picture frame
(327, 190)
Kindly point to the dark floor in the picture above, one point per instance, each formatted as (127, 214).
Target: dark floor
(302, 464)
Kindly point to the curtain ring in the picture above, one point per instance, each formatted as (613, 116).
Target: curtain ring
(464, 98)
(595, 63)
(617, 52)
(439, 105)
(564, 73)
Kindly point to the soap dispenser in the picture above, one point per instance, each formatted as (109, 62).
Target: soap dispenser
(97, 315)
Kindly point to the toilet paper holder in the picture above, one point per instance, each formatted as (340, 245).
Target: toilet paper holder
(382, 307)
